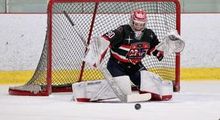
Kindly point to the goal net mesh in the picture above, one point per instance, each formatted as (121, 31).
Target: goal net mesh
(61, 63)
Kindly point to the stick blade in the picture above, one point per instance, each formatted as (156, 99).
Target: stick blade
(138, 97)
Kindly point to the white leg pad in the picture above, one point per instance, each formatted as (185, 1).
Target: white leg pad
(167, 88)
(124, 83)
(92, 91)
(152, 83)
(100, 90)
(79, 91)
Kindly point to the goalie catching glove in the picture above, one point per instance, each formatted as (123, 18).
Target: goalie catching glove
(171, 43)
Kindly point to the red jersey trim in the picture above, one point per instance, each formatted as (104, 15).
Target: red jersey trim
(119, 58)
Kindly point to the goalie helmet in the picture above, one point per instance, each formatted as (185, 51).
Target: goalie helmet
(138, 19)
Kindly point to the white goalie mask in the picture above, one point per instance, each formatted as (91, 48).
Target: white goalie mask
(138, 19)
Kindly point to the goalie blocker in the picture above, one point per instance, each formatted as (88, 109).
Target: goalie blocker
(152, 88)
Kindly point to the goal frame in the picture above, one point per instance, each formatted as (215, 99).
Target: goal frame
(48, 90)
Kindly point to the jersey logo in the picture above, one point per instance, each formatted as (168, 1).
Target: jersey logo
(137, 52)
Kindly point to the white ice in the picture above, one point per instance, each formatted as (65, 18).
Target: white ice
(198, 100)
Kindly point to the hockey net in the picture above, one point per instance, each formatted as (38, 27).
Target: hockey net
(61, 63)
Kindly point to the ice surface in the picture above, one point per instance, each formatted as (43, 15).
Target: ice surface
(198, 100)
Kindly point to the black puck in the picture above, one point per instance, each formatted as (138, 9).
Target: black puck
(137, 106)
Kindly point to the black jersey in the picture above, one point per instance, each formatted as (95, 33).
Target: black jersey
(127, 46)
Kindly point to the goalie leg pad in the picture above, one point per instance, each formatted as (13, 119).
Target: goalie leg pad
(101, 90)
(92, 91)
(79, 92)
(152, 83)
(124, 83)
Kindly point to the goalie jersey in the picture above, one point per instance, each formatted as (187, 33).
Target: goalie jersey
(129, 46)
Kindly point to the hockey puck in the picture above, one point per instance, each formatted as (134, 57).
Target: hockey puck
(137, 106)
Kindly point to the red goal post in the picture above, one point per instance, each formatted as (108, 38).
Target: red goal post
(61, 63)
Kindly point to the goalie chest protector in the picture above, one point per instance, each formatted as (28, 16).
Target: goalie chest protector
(125, 44)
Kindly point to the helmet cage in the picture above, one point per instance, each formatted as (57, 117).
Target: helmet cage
(139, 16)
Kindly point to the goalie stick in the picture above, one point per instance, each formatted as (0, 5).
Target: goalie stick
(116, 89)
(71, 22)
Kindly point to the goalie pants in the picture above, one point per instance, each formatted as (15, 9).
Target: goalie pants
(118, 68)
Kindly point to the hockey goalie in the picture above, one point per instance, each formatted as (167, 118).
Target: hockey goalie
(128, 45)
